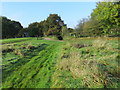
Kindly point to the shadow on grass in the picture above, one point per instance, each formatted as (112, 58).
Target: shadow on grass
(14, 66)
(111, 75)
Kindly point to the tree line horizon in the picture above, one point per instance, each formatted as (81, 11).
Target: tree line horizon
(103, 21)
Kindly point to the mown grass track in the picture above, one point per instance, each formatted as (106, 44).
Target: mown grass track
(35, 69)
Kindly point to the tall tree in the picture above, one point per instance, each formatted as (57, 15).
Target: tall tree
(10, 28)
(35, 29)
(104, 20)
(108, 14)
(55, 24)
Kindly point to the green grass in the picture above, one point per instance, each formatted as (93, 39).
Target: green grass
(35, 68)
(75, 63)
(94, 65)
(13, 40)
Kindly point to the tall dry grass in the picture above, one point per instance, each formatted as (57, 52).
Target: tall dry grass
(93, 71)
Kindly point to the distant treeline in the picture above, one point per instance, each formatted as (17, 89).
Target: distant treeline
(103, 21)
(53, 25)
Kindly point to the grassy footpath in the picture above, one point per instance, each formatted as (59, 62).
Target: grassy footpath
(75, 63)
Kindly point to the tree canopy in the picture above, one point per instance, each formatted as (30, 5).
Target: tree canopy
(10, 28)
(51, 26)
(104, 21)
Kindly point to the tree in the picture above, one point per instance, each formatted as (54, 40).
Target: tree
(55, 24)
(65, 32)
(44, 27)
(108, 16)
(23, 32)
(35, 29)
(71, 30)
(104, 20)
(10, 28)
(51, 26)
(81, 27)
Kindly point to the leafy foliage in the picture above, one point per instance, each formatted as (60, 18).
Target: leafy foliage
(104, 20)
(10, 28)
(54, 24)
(108, 17)
(65, 32)
(34, 29)
(51, 26)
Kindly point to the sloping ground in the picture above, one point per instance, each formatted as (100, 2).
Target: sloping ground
(79, 63)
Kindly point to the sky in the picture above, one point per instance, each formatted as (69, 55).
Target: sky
(29, 12)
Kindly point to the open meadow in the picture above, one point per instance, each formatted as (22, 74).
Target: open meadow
(73, 63)
(60, 44)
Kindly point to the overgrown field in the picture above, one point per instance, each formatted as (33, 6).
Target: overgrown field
(75, 63)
